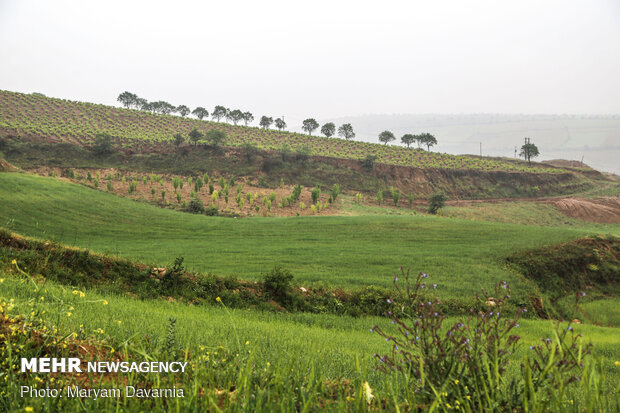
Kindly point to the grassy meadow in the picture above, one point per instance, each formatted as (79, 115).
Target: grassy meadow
(248, 360)
(342, 251)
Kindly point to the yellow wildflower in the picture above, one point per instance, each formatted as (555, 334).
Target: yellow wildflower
(218, 299)
(68, 313)
(368, 393)
(14, 262)
(28, 409)
(105, 302)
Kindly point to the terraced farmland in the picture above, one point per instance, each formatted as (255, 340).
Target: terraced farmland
(37, 116)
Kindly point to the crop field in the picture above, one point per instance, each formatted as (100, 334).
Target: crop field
(35, 116)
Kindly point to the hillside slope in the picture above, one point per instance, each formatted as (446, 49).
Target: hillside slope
(36, 116)
(344, 251)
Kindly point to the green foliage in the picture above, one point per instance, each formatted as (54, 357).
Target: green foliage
(408, 139)
(200, 112)
(328, 129)
(315, 194)
(379, 197)
(386, 136)
(280, 124)
(335, 192)
(183, 110)
(132, 186)
(195, 135)
(265, 122)
(395, 195)
(216, 137)
(171, 280)
(346, 131)
(466, 364)
(369, 162)
(102, 145)
(436, 202)
(277, 283)
(529, 151)
(309, 125)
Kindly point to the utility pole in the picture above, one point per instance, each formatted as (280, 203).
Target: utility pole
(515, 151)
(481, 149)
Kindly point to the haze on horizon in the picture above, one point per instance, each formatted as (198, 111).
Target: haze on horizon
(326, 60)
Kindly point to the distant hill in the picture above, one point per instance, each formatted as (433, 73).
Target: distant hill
(571, 137)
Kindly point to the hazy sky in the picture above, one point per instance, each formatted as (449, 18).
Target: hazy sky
(321, 58)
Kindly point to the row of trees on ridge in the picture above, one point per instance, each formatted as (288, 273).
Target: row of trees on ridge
(132, 101)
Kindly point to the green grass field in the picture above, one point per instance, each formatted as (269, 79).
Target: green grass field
(298, 346)
(462, 255)
(291, 355)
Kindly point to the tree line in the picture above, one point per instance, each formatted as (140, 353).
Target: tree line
(235, 116)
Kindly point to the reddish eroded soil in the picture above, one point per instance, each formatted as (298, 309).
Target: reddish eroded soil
(604, 210)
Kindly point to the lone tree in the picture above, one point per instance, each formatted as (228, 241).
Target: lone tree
(195, 135)
(200, 112)
(436, 202)
(346, 131)
(218, 113)
(386, 136)
(280, 124)
(248, 118)
(428, 140)
(127, 99)
(309, 125)
(328, 129)
(265, 122)
(408, 139)
(529, 151)
(183, 110)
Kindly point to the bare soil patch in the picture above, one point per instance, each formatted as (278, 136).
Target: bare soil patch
(604, 210)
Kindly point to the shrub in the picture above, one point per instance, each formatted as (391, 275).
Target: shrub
(368, 162)
(316, 194)
(196, 206)
(465, 364)
(172, 276)
(102, 145)
(379, 197)
(436, 202)
(277, 283)
(395, 195)
(335, 192)
(212, 211)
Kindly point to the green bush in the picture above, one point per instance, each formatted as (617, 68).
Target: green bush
(277, 283)
(436, 202)
(196, 206)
